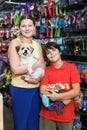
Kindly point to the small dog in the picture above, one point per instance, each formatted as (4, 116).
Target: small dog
(25, 52)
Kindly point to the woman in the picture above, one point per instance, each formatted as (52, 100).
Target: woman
(25, 94)
(64, 73)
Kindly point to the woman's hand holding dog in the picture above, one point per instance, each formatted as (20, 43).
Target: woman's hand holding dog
(33, 81)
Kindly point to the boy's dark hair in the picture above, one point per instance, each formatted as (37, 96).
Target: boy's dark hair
(50, 45)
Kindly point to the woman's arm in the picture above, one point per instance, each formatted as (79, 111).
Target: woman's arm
(14, 59)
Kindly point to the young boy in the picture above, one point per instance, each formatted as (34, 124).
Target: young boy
(59, 71)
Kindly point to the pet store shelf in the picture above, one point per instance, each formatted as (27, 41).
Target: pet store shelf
(78, 59)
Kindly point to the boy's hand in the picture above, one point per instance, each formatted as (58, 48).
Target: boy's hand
(53, 95)
(56, 96)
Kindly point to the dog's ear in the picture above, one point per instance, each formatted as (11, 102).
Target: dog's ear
(31, 49)
(17, 48)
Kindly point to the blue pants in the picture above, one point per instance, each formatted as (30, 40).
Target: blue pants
(26, 108)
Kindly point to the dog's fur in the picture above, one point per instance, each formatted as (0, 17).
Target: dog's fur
(25, 52)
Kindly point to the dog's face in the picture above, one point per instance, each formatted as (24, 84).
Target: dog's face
(24, 50)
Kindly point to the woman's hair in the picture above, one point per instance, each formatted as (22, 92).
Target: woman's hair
(50, 45)
(26, 16)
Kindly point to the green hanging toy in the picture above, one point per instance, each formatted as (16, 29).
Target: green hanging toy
(16, 18)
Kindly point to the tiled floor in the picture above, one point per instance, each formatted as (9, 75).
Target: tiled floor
(8, 118)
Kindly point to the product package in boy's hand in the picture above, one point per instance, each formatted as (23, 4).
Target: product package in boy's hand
(45, 100)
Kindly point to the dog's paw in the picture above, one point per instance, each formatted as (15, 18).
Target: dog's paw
(27, 77)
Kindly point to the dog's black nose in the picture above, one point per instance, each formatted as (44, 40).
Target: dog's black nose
(25, 51)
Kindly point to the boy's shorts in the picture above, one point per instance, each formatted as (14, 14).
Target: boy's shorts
(46, 124)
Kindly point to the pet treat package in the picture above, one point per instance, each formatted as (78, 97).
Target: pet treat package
(1, 112)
